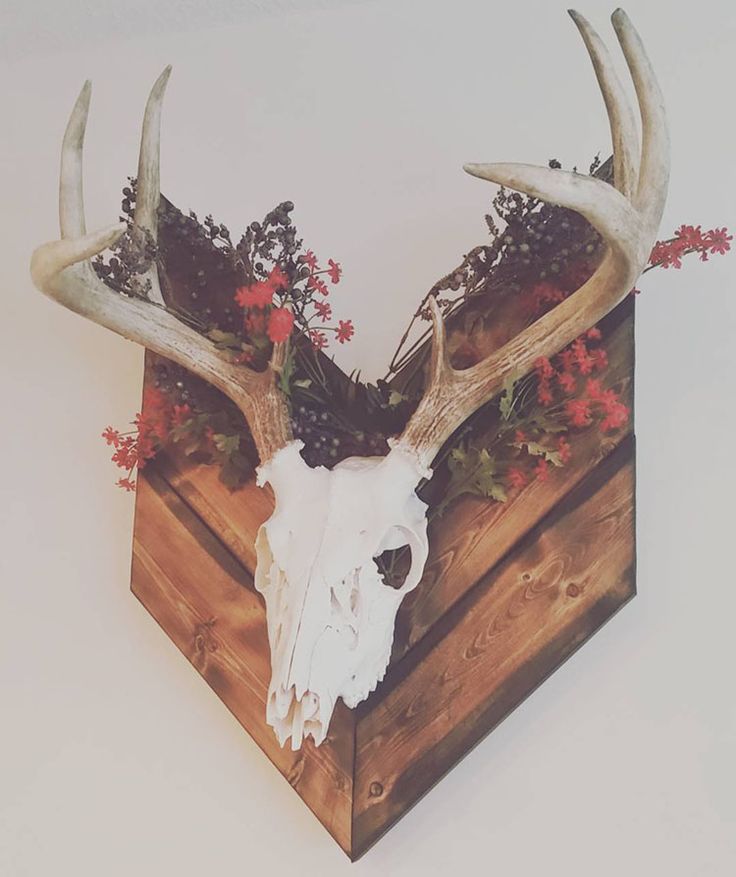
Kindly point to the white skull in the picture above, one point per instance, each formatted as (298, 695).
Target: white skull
(330, 614)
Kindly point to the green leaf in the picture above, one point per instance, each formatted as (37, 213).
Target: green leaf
(506, 402)
(395, 399)
(235, 471)
(537, 450)
(224, 340)
(547, 424)
(472, 470)
(226, 444)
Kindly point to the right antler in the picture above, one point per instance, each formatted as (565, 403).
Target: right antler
(627, 217)
(62, 270)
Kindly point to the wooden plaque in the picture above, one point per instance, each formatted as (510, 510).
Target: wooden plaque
(509, 592)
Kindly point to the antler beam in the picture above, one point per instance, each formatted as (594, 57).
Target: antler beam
(62, 270)
(627, 217)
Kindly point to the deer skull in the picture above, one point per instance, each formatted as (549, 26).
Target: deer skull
(330, 614)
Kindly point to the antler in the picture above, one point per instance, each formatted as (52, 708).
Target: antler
(62, 270)
(627, 217)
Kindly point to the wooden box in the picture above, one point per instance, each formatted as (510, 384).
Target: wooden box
(509, 592)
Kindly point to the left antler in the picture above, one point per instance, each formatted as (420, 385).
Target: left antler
(63, 271)
(627, 217)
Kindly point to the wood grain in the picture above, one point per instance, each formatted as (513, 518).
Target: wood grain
(203, 598)
(570, 574)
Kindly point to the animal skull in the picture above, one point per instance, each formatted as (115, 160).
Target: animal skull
(330, 614)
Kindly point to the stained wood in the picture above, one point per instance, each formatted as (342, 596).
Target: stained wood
(203, 598)
(508, 593)
(519, 623)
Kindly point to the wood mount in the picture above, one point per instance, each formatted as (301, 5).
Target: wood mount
(510, 591)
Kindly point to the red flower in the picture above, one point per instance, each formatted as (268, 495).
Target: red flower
(310, 259)
(334, 270)
(600, 359)
(594, 334)
(565, 451)
(260, 293)
(345, 331)
(515, 478)
(181, 414)
(544, 367)
(324, 310)
(617, 415)
(541, 470)
(582, 356)
(257, 295)
(126, 484)
(520, 436)
(593, 389)
(318, 339)
(126, 457)
(544, 393)
(111, 436)
(280, 324)
(567, 381)
(318, 284)
(567, 359)
(578, 412)
(668, 254)
(718, 240)
(691, 236)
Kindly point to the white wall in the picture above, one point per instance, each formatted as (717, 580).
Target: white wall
(115, 758)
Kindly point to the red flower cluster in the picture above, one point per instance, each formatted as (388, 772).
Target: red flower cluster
(134, 448)
(262, 318)
(345, 330)
(578, 357)
(690, 239)
(593, 402)
(261, 293)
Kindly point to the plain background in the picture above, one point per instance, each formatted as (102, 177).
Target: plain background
(115, 758)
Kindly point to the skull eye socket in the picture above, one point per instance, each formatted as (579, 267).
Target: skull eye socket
(393, 566)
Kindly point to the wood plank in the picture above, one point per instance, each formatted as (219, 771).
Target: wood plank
(203, 598)
(566, 578)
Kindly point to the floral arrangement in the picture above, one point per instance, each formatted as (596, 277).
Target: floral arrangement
(269, 288)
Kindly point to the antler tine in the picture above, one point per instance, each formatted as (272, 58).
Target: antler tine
(624, 136)
(71, 201)
(62, 271)
(654, 171)
(148, 190)
(628, 226)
